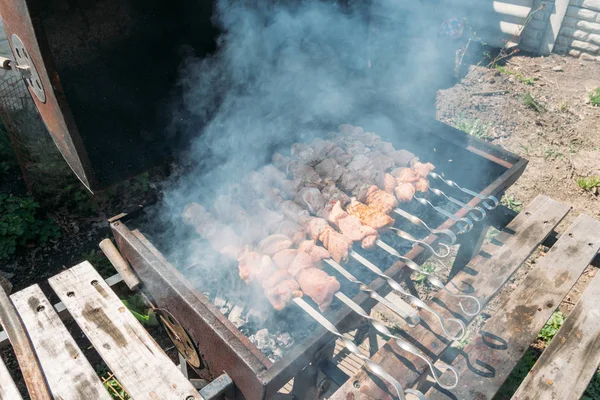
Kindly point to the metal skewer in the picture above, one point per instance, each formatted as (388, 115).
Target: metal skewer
(419, 222)
(459, 203)
(353, 348)
(432, 279)
(407, 236)
(489, 202)
(396, 287)
(464, 224)
(412, 320)
(403, 344)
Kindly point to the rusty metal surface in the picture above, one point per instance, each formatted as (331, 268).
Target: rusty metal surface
(222, 347)
(18, 18)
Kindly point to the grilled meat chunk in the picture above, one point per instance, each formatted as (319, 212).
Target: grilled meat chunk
(311, 199)
(316, 252)
(405, 192)
(329, 168)
(283, 293)
(292, 230)
(422, 185)
(422, 170)
(318, 286)
(405, 174)
(273, 244)
(336, 243)
(390, 183)
(301, 261)
(381, 200)
(283, 259)
(402, 158)
(369, 215)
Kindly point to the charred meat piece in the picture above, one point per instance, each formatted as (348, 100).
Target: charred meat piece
(340, 156)
(305, 173)
(290, 188)
(381, 200)
(405, 192)
(295, 212)
(311, 199)
(350, 180)
(273, 244)
(317, 227)
(318, 286)
(369, 215)
(380, 161)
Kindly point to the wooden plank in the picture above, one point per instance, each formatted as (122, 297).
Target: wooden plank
(486, 362)
(569, 363)
(139, 364)
(485, 274)
(8, 389)
(67, 371)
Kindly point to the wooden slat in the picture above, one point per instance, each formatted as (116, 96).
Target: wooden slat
(139, 364)
(486, 362)
(569, 363)
(486, 275)
(8, 389)
(67, 371)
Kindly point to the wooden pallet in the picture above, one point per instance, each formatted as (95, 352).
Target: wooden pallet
(567, 365)
(140, 365)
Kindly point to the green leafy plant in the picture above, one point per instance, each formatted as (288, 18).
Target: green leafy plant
(595, 97)
(21, 225)
(593, 390)
(551, 327)
(473, 127)
(112, 385)
(140, 309)
(509, 201)
(427, 267)
(564, 107)
(588, 183)
(552, 154)
(505, 71)
(140, 183)
(532, 103)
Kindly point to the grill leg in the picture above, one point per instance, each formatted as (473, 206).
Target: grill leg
(470, 244)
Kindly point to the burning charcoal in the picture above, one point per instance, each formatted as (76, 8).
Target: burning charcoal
(285, 340)
(235, 316)
(262, 338)
(277, 354)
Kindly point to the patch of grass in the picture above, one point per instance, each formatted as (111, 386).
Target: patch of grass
(564, 107)
(7, 156)
(427, 267)
(532, 103)
(505, 71)
(21, 225)
(100, 263)
(595, 97)
(588, 183)
(473, 127)
(509, 201)
(112, 385)
(140, 309)
(551, 327)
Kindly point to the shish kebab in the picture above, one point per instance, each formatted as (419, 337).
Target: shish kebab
(260, 182)
(194, 211)
(228, 246)
(373, 214)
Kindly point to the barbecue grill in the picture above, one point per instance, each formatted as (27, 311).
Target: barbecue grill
(223, 346)
(110, 124)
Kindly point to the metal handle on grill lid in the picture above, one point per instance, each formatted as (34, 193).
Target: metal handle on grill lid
(403, 344)
(419, 222)
(407, 236)
(489, 202)
(464, 224)
(417, 302)
(432, 279)
(459, 203)
(353, 348)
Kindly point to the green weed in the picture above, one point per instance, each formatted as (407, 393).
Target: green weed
(505, 71)
(564, 107)
(427, 267)
(552, 154)
(532, 103)
(140, 309)
(595, 97)
(551, 327)
(20, 224)
(112, 385)
(589, 182)
(509, 201)
(473, 127)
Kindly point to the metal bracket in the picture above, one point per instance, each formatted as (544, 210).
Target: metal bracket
(27, 69)
(181, 340)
